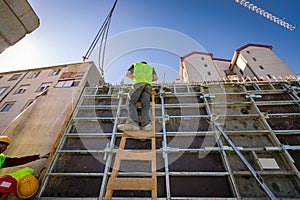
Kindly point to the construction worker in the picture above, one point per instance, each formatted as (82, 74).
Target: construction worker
(142, 75)
(14, 161)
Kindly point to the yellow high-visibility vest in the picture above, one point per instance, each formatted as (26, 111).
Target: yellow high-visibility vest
(142, 73)
(2, 159)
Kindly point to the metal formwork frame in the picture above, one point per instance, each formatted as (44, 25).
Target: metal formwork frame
(185, 90)
(223, 153)
(280, 147)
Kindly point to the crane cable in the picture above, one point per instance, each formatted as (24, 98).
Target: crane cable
(102, 33)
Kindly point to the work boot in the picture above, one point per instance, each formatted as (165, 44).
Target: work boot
(148, 127)
(128, 127)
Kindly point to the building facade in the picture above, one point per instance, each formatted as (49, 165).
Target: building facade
(36, 105)
(252, 62)
(18, 89)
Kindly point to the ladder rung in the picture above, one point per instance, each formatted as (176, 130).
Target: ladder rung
(131, 184)
(139, 104)
(139, 134)
(136, 155)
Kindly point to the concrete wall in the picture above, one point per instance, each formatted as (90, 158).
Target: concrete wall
(17, 19)
(37, 129)
(199, 67)
(222, 66)
(81, 73)
(252, 61)
(264, 63)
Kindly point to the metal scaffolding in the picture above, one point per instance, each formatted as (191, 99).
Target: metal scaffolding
(213, 141)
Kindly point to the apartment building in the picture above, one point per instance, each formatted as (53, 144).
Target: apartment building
(251, 61)
(36, 105)
(18, 89)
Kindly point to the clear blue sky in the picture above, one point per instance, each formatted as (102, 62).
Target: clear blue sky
(219, 26)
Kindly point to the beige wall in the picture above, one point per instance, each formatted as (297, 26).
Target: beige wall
(222, 66)
(17, 19)
(38, 128)
(252, 61)
(199, 67)
(263, 63)
(82, 72)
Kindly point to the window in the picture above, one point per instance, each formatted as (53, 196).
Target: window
(68, 83)
(2, 90)
(34, 74)
(77, 75)
(205, 65)
(54, 72)
(66, 75)
(254, 59)
(269, 76)
(43, 87)
(248, 52)
(15, 77)
(7, 106)
(229, 72)
(202, 58)
(261, 67)
(208, 73)
(22, 89)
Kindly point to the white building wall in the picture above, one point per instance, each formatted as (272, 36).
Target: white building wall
(264, 63)
(222, 66)
(200, 67)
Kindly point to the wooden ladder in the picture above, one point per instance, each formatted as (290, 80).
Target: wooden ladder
(137, 182)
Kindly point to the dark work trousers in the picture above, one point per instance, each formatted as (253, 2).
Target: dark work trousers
(139, 92)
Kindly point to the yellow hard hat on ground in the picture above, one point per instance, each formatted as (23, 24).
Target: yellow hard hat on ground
(27, 186)
(4, 138)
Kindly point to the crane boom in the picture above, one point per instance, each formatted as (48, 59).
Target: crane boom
(266, 14)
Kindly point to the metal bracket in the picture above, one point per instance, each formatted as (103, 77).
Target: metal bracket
(166, 117)
(254, 96)
(207, 96)
(265, 115)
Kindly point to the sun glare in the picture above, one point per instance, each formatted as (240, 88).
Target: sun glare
(22, 55)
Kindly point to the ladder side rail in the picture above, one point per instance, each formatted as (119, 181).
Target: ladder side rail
(164, 143)
(111, 147)
(153, 147)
